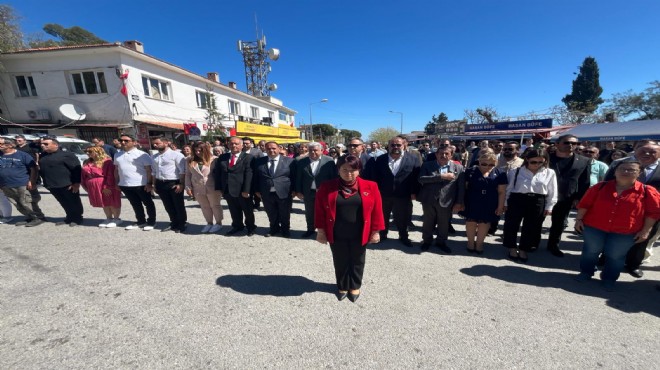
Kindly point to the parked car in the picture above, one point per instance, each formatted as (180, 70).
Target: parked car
(67, 143)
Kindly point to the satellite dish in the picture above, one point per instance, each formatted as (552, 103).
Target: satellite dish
(274, 54)
(272, 87)
(72, 112)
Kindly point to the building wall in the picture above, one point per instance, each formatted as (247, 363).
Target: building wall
(51, 73)
(52, 79)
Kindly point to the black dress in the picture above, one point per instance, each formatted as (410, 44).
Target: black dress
(481, 196)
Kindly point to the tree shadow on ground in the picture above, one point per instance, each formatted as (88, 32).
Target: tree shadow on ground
(273, 285)
(630, 297)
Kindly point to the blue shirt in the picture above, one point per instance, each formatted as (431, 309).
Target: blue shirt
(15, 169)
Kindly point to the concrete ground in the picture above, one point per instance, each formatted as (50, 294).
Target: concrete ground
(87, 297)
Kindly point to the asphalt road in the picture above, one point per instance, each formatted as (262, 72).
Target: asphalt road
(87, 297)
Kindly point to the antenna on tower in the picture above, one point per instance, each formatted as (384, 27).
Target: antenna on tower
(256, 59)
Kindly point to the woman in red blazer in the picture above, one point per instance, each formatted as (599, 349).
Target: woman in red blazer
(348, 215)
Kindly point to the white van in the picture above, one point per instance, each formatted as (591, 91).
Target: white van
(67, 143)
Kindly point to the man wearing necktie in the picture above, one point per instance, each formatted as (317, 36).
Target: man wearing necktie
(273, 179)
(233, 178)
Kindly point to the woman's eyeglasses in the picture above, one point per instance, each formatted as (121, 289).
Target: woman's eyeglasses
(536, 162)
(487, 164)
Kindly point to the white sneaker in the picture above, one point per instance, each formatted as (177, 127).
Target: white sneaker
(215, 228)
(113, 223)
(105, 223)
(148, 228)
(206, 229)
(5, 220)
(135, 226)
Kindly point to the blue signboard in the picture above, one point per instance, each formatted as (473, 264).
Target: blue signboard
(511, 125)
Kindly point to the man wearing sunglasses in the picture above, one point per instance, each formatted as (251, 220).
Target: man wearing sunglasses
(509, 159)
(134, 176)
(396, 175)
(356, 148)
(61, 173)
(573, 172)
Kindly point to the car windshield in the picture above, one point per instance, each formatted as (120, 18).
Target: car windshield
(76, 148)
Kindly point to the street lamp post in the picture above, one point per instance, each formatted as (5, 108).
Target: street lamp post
(401, 113)
(311, 123)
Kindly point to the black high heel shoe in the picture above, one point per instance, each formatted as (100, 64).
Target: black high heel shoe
(341, 295)
(353, 297)
(512, 257)
(522, 259)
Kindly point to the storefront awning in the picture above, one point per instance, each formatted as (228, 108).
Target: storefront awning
(510, 134)
(170, 125)
(616, 131)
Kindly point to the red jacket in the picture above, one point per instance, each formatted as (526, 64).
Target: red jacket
(622, 214)
(325, 209)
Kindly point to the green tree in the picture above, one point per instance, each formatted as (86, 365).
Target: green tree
(323, 130)
(430, 127)
(67, 37)
(11, 36)
(585, 94)
(645, 104)
(383, 134)
(347, 134)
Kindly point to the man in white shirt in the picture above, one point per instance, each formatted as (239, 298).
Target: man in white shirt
(396, 174)
(169, 172)
(133, 173)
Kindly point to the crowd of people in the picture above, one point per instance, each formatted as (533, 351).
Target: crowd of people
(351, 193)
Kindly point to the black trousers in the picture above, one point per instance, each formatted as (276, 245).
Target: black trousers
(310, 201)
(173, 203)
(559, 214)
(238, 207)
(71, 203)
(278, 211)
(138, 197)
(348, 256)
(528, 210)
(635, 255)
(400, 207)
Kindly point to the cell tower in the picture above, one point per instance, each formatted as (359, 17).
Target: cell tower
(257, 66)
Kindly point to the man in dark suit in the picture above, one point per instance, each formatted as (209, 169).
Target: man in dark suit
(397, 177)
(573, 172)
(356, 148)
(273, 179)
(442, 192)
(233, 178)
(311, 172)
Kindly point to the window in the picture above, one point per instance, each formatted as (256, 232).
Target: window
(254, 112)
(89, 82)
(282, 116)
(234, 107)
(26, 86)
(203, 99)
(155, 88)
(271, 114)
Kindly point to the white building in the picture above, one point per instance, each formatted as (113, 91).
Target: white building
(119, 88)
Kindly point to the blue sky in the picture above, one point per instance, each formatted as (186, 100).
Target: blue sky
(369, 57)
